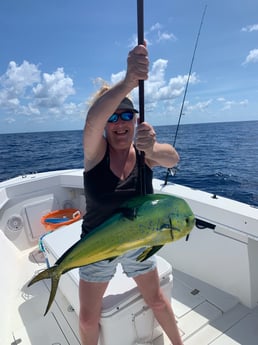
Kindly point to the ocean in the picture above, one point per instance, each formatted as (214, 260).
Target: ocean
(220, 158)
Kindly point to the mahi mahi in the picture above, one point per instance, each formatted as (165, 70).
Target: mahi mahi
(148, 221)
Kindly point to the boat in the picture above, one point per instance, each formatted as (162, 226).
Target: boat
(211, 278)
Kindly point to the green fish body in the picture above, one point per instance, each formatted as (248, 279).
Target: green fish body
(148, 221)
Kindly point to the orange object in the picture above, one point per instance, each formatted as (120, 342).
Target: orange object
(55, 219)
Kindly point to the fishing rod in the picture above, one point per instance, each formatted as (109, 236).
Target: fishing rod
(173, 171)
(140, 29)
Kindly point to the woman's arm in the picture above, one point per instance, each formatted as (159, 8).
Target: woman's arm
(98, 114)
(156, 154)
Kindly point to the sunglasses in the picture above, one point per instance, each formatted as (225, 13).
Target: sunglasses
(126, 116)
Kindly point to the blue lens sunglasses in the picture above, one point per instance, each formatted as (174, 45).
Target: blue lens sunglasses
(125, 116)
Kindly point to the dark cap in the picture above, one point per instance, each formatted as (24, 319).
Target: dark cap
(127, 104)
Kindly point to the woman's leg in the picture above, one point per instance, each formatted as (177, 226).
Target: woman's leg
(90, 295)
(149, 287)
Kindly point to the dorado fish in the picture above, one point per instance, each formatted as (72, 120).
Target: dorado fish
(148, 221)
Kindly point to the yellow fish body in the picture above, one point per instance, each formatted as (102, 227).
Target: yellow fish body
(148, 221)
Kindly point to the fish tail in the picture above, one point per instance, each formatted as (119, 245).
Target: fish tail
(47, 273)
(54, 285)
(52, 273)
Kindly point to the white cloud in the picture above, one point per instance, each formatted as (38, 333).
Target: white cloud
(157, 34)
(252, 57)
(250, 28)
(157, 88)
(24, 90)
(53, 90)
(28, 110)
(17, 78)
(155, 27)
(157, 73)
(9, 120)
(133, 41)
(244, 102)
(154, 35)
(116, 77)
(165, 36)
(161, 93)
(228, 104)
(15, 82)
(200, 106)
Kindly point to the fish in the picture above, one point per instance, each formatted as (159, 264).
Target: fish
(147, 221)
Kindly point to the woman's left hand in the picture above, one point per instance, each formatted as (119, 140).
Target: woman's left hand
(145, 137)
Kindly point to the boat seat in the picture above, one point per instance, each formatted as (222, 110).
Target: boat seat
(122, 302)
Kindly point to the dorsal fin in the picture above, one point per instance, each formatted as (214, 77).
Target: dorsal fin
(147, 253)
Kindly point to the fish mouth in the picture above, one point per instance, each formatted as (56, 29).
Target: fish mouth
(188, 225)
(190, 221)
(172, 228)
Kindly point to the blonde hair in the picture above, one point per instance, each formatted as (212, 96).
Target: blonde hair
(104, 86)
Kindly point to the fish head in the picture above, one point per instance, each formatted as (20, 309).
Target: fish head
(177, 218)
(181, 224)
(163, 217)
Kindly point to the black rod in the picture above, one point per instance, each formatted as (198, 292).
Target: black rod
(140, 28)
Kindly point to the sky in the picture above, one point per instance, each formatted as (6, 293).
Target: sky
(54, 52)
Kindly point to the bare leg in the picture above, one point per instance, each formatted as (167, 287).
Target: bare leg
(90, 295)
(149, 287)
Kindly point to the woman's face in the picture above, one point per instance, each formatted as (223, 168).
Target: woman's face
(120, 134)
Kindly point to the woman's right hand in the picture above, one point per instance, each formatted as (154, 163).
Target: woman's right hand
(137, 66)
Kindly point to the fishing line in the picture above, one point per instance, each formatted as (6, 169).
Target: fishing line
(173, 170)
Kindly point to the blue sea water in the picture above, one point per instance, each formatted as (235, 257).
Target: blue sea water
(221, 158)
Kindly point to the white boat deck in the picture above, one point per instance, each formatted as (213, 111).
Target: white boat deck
(205, 314)
(225, 257)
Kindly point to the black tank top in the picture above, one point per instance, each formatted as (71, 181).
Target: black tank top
(105, 192)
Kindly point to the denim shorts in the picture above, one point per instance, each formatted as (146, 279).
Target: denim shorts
(103, 271)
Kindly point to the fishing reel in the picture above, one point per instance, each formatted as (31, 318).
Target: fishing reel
(173, 170)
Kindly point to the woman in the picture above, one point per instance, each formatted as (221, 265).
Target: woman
(112, 176)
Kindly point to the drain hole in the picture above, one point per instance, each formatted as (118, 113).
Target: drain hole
(195, 292)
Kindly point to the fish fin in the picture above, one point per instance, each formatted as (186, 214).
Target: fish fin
(47, 273)
(147, 253)
(128, 212)
(54, 285)
(111, 259)
(55, 276)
